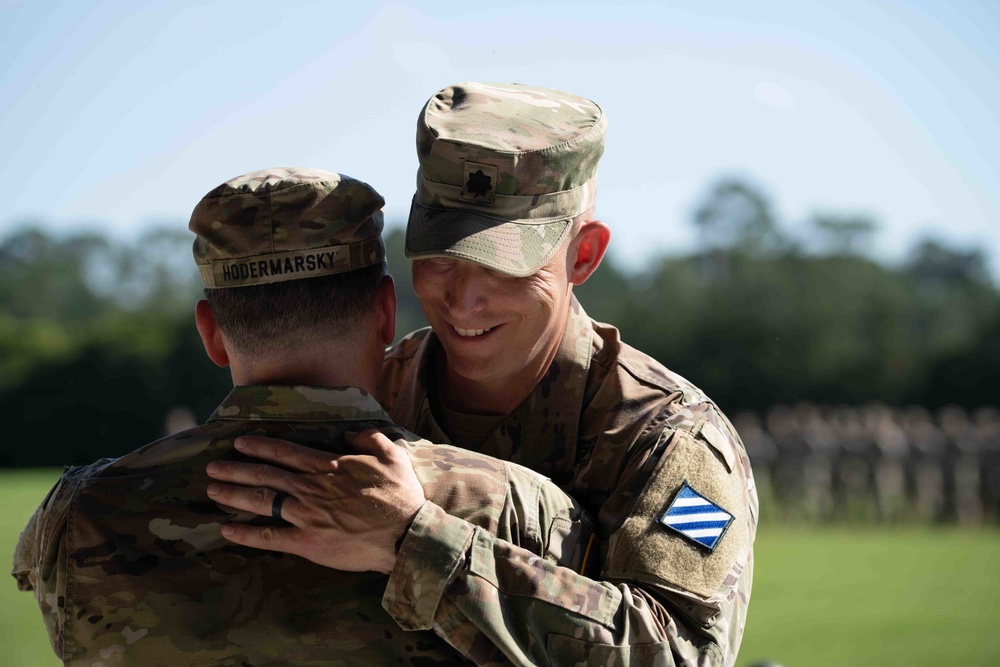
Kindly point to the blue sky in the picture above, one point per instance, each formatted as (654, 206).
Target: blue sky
(121, 115)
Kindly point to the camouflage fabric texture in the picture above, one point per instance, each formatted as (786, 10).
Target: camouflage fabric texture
(285, 224)
(625, 437)
(504, 168)
(128, 566)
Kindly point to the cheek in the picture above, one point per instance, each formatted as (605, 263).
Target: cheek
(424, 283)
(546, 292)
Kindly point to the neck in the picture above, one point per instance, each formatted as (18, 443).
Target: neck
(318, 366)
(477, 398)
(499, 397)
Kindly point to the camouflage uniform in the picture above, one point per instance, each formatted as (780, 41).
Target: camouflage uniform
(129, 568)
(126, 557)
(503, 171)
(622, 435)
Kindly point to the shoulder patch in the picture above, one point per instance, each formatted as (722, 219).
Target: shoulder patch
(659, 544)
(696, 517)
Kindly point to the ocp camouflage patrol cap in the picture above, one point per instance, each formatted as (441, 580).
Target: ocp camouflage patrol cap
(285, 224)
(504, 168)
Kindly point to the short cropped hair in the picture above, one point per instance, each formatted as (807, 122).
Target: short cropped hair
(279, 316)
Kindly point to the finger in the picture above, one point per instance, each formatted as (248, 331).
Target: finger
(256, 500)
(269, 538)
(371, 442)
(252, 474)
(286, 454)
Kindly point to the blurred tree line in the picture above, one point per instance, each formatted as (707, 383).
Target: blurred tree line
(98, 345)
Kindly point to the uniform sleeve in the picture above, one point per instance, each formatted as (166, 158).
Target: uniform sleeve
(40, 556)
(667, 591)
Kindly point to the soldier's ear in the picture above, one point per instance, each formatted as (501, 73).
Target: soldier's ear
(587, 249)
(211, 334)
(385, 317)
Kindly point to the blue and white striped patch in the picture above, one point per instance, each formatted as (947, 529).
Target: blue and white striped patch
(696, 517)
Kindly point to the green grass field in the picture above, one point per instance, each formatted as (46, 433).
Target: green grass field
(22, 634)
(839, 596)
(874, 596)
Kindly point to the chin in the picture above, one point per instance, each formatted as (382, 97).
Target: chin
(479, 370)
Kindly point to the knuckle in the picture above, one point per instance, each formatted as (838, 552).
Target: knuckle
(260, 474)
(268, 535)
(258, 497)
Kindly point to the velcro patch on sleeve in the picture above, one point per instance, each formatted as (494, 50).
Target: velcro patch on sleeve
(661, 544)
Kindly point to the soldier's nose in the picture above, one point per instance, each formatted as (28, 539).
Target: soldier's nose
(465, 294)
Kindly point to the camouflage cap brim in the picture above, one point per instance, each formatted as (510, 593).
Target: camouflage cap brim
(516, 249)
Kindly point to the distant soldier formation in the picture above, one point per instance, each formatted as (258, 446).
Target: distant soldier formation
(862, 463)
(876, 463)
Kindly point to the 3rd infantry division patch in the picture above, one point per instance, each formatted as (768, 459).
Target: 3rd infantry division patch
(696, 518)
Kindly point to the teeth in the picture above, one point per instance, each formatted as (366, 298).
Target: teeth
(471, 332)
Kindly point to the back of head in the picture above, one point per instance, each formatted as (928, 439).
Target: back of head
(289, 255)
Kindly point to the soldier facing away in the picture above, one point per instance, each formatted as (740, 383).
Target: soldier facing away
(126, 557)
(501, 227)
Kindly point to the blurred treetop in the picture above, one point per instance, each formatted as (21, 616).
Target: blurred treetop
(97, 336)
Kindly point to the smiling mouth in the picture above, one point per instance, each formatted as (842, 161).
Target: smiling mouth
(471, 333)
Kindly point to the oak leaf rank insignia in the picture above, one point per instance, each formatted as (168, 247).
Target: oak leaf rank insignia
(480, 183)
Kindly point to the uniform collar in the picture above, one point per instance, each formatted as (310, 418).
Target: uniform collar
(299, 403)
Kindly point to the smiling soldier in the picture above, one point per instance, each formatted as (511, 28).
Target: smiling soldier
(501, 228)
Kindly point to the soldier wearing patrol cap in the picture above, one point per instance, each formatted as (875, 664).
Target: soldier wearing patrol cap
(127, 557)
(500, 229)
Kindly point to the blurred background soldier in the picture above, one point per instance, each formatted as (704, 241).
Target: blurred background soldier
(820, 442)
(890, 466)
(926, 464)
(855, 463)
(761, 449)
(789, 466)
(987, 426)
(963, 497)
